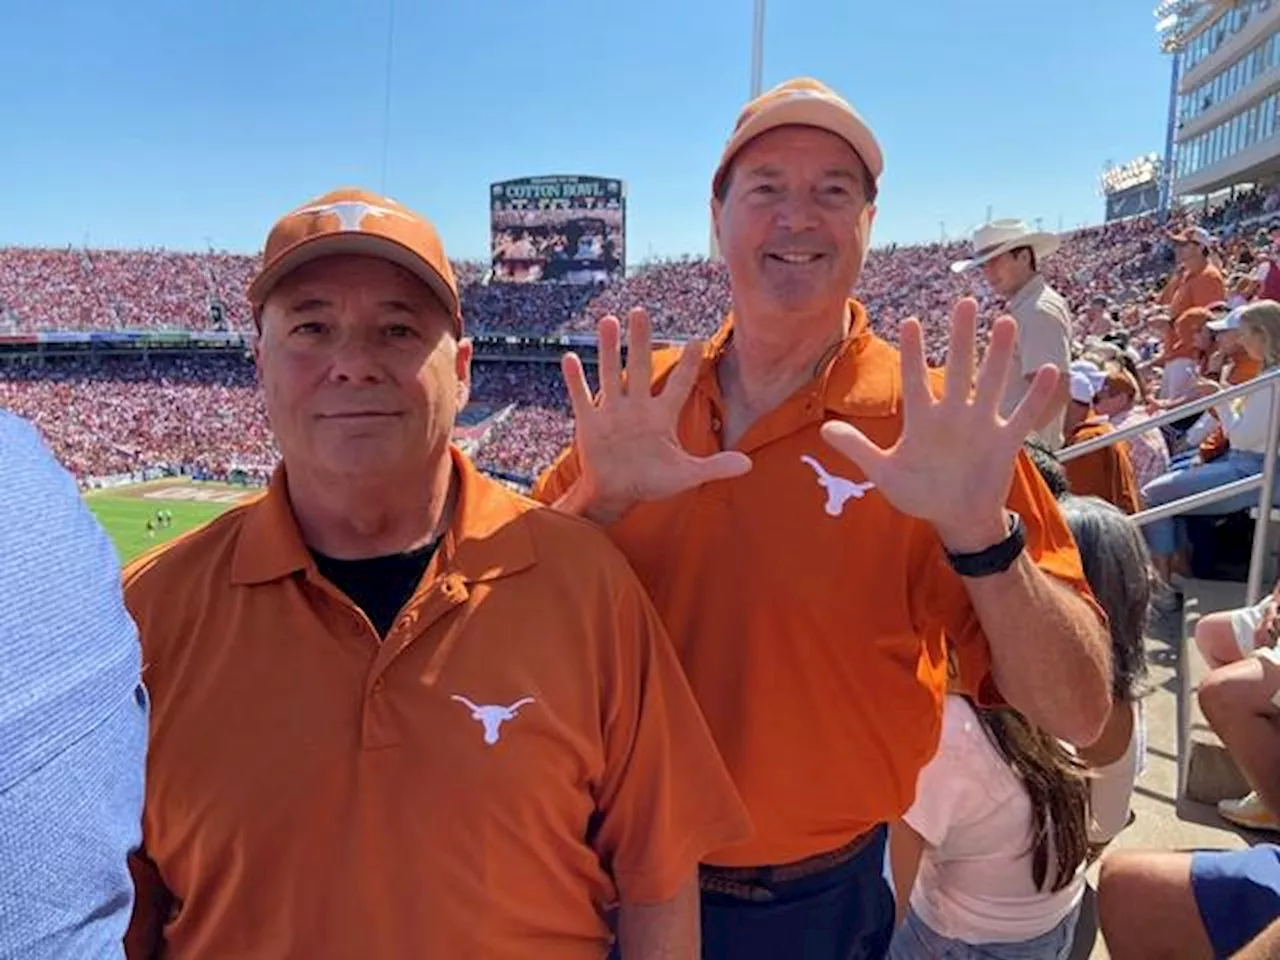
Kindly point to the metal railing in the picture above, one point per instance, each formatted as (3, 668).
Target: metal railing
(1265, 482)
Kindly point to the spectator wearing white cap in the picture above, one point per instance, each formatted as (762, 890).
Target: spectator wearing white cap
(1245, 422)
(1108, 472)
(1117, 400)
(1196, 282)
(1010, 255)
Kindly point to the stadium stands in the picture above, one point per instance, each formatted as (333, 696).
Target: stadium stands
(106, 415)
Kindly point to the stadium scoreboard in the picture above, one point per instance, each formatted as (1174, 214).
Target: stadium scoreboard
(1133, 188)
(562, 229)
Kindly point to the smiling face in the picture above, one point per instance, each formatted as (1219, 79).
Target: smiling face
(360, 368)
(793, 224)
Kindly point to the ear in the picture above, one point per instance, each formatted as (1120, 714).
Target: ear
(868, 217)
(462, 369)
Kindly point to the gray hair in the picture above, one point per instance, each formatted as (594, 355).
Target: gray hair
(1118, 568)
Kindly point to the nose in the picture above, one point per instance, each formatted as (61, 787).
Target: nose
(354, 359)
(798, 211)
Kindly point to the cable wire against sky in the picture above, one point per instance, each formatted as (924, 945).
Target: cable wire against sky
(386, 94)
(757, 51)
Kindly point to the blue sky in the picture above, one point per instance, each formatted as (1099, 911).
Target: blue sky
(181, 123)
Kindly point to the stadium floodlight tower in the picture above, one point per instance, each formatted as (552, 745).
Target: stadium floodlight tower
(1175, 20)
(757, 87)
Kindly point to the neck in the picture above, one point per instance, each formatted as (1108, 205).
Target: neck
(356, 518)
(770, 359)
(1023, 285)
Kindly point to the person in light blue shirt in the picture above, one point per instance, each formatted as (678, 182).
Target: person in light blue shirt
(73, 717)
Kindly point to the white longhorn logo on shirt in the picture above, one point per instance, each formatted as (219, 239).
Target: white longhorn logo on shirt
(493, 715)
(839, 490)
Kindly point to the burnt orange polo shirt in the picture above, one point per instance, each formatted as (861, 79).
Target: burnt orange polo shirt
(1107, 473)
(520, 751)
(1200, 289)
(809, 614)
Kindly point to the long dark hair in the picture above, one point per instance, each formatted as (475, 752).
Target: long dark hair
(1056, 783)
(1117, 566)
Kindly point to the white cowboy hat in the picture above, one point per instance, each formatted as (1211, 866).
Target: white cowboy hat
(1000, 236)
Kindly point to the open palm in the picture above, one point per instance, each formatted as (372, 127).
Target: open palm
(953, 463)
(626, 435)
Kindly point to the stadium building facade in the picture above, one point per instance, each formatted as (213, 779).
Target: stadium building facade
(1226, 112)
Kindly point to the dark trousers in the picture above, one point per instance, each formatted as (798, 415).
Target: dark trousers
(845, 912)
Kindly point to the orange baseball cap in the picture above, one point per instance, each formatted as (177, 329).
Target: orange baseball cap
(352, 221)
(808, 103)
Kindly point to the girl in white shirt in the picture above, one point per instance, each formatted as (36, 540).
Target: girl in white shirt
(993, 850)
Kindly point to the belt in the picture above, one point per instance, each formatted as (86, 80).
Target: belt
(752, 883)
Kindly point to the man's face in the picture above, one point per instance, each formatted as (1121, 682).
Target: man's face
(1111, 401)
(1189, 255)
(360, 368)
(795, 222)
(1007, 273)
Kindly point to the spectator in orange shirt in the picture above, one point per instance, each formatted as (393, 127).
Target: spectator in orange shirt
(1196, 282)
(813, 580)
(400, 711)
(1106, 473)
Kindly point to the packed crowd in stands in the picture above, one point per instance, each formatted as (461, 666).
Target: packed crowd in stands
(106, 417)
(205, 413)
(157, 290)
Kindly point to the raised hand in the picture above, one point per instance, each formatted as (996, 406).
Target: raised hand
(953, 463)
(626, 435)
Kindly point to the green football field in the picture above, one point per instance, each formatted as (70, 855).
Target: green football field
(124, 511)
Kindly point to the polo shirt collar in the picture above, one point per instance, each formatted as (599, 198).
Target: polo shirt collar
(862, 378)
(488, 538)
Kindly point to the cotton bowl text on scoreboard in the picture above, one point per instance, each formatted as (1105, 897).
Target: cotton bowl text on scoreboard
(559, 229)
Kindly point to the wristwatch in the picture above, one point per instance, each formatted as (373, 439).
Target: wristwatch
(996, 558)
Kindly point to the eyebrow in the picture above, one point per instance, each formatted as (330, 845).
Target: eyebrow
(768, 171)
(304, 302)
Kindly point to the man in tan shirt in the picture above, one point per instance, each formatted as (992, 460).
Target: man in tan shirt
(1010, 254)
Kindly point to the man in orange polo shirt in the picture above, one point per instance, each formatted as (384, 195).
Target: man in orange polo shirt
(1197, 282)
(809, 575)
(398, 710)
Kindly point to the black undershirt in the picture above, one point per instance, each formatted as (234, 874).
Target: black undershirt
(379, 586)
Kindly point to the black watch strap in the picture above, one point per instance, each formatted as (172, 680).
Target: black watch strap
(997, 558)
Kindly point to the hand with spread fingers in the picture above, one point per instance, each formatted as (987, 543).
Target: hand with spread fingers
(626, 435)
(953, 463)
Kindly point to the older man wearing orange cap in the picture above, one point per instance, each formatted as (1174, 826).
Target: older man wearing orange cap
(399, 711)
(823, 535)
